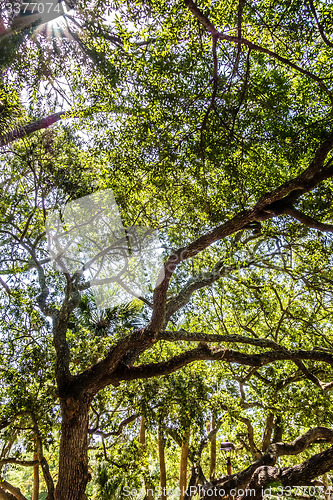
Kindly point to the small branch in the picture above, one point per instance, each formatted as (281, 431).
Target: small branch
(308, 221)
(173, 336)
(250, 435)
(203, 352)
(319, 25)
(211, 28)
(268, 432)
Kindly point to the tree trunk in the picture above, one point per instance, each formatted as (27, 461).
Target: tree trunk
(73, 455)
(212, 452)
(142, 441)
(268, 432)
(142, 433)
(35, 490)
(183, 465)
(161, 458)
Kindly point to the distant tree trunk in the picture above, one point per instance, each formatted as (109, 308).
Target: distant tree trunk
(142, 441)
(161, 458)
(183, 465)
(73, 454)
(142, 433)
(268, 432)
(213, 452)
(278, 430)
(35, 489)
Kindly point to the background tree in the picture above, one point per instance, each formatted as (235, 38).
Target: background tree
(211, 123)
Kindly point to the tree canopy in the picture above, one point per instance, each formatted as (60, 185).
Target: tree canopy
(211, 124)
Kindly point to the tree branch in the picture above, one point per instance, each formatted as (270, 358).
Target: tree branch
(308, 221)
(204, 352)
(270, 205)
(172, 336)
(23, 463)
(122, 424)
(5, 495)
(275, 450)
(319, 25)
(211, 28)
(14, 491)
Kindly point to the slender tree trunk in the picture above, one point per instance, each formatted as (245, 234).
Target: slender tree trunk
(268, 432)
(183, 465)
(35, 490)
(161, 458)
(142, 441)
(212, 467)
(142, 433)
(73, 455)
(327, 494)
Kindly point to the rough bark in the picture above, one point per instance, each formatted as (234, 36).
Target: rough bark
(298, 475)
(5, 495)
(142, 433)
(278, 429)
(73, 453)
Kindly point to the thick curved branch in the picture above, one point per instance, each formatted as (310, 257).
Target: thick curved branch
(270, 205)
(5, 495)
(298, 475)
(172, 336)
(23, 463)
